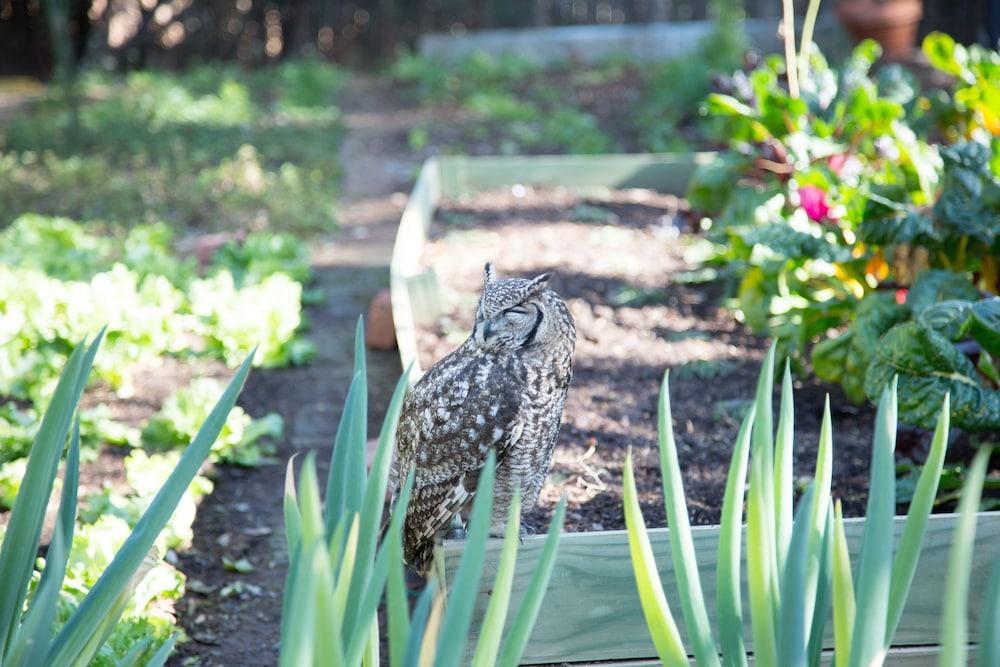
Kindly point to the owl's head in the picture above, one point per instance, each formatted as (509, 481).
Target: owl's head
(517, 313)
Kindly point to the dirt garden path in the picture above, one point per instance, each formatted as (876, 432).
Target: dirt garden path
(233, 619)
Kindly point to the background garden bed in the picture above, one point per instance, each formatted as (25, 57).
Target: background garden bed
(619, 259)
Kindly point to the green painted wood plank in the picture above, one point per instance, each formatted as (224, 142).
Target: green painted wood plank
(591, 610)
(411, 235)
(910, 656)
(665, 172)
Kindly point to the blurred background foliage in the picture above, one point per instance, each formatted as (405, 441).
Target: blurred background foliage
(122, 34)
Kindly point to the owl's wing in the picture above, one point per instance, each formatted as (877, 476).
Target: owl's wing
(454, 431)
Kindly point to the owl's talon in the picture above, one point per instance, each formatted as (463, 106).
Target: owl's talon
(528, 529)
(455, 533)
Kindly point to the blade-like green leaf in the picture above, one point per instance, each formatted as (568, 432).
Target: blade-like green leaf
(843, 592)
(337, 477)
(784, 493)
(418, 624)
(824, 594)
(491, 629)
(101, 598)
(328, 640)
(372, 504)
(397, 611)
(821, 508)
(955, 613)
(792, 628)
(875, 566)
(458, 616)
(681, 544)
(762, 570)
(659, 619)
(921, 505)
(134, 655)
(527, 613)
(729, 597)
(310, 506)
(989, 639)
(762, 447)
(355, 461)
(372, 649)
(298, 625)
(105, 625)
(432, 634)
(24, 529)
(293, 519)
(159, 658)
(759, 582)
(32, 638)
(397, 604)
(357, 644)
(346, 569)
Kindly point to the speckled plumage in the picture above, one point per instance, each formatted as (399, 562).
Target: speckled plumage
(503, 389)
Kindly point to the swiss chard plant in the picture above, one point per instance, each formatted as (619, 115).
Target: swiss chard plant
(806, 164)
(848, 223)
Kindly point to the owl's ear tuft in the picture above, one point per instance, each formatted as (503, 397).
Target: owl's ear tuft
(489, 275)
(538, 283)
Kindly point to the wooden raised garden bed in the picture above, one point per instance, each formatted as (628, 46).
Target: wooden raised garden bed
(591, 610)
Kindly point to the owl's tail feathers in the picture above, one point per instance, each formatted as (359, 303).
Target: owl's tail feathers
(428, 516)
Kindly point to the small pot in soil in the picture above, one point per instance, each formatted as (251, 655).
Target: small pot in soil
(892, 23)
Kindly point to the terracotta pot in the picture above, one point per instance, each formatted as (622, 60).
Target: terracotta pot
(892, 23)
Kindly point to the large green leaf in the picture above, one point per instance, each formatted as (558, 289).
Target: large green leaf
(949, 318)
(944, 54)
(899, 227)
(845, 359)
(929, 367)
(985, 324)
(937, 285)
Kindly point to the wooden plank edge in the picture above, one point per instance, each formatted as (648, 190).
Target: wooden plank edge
(910, 656)
(664, 172)
(408, 246)
(988, 534)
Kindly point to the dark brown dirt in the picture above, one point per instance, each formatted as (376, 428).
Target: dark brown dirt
(634, 321)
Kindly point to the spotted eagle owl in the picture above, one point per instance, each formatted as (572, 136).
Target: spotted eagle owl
(504, 390)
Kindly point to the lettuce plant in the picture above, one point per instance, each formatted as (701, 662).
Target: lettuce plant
(797, 566)
(28, 632)
(339, 570)
(242, 441)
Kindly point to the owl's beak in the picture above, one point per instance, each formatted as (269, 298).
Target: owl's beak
(482, 332)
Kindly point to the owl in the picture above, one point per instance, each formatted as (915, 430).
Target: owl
(503, 390)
